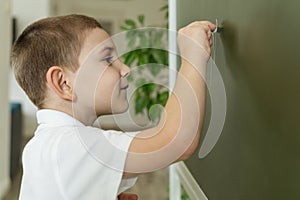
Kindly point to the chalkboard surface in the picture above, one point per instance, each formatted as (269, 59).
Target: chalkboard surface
(258, 153)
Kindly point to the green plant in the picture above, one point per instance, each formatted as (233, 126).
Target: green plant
(147, 93)
(184, 194)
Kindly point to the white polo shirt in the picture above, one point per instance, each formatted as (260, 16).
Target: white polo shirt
(68, 160)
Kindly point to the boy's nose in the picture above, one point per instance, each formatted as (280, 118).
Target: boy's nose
(125, 70)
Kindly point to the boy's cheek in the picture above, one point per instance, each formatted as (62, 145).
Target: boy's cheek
(87, 79)
(102, 98)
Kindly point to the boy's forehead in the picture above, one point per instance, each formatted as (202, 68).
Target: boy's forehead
(96, 42)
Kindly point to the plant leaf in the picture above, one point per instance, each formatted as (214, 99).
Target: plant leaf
(140, 104)
(163, 98)
(149, 88)
(165, 7)
(124, 28)
(143, 59)
(130, 23)
(155, 113)
(141, 19)
(131, 42)
(130, 57)
(158, 56)
(154, 69)
(143, 40)
(167, 15)
(140, 82)
(130, 78)
(131, 34)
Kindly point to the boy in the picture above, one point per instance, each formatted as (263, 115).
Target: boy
(69, 69)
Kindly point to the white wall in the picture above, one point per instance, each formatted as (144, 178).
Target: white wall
(26, 12)
(5, 41)
(29, 11)
(113, 10)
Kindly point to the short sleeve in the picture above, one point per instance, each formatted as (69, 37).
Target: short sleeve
(91, 163)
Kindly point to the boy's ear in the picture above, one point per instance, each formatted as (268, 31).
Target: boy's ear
(59, 81)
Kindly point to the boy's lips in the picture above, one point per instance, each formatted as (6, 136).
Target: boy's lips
(124, 87)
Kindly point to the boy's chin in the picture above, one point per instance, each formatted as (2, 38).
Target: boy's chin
(120, 109)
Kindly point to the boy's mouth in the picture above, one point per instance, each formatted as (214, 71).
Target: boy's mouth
(124, 87)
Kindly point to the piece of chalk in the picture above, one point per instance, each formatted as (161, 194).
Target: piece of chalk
(218, 30)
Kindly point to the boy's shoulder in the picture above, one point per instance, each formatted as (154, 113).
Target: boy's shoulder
(58, 124)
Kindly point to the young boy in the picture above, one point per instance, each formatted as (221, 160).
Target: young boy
(69, 68)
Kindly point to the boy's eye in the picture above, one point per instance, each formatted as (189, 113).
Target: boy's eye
(108, 59)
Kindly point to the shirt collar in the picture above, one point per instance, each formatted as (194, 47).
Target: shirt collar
(58, 118)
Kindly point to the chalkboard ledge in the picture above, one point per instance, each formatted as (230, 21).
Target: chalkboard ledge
(189, 183)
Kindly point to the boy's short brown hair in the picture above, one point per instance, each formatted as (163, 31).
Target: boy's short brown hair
(53, 41)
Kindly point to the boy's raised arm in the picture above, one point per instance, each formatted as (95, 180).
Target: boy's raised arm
(177, 135)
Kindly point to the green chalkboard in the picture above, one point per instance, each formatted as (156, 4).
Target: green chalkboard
(257, 156)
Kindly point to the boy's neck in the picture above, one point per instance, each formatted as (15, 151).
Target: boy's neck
(83, 116)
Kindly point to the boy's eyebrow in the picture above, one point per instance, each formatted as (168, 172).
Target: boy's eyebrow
(104, 50)
(108, 48)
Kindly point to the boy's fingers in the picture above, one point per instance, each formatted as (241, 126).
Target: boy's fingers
(211, 26)
(209, 34)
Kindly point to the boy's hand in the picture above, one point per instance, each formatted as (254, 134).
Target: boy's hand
(194, 41)
(124, 196)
